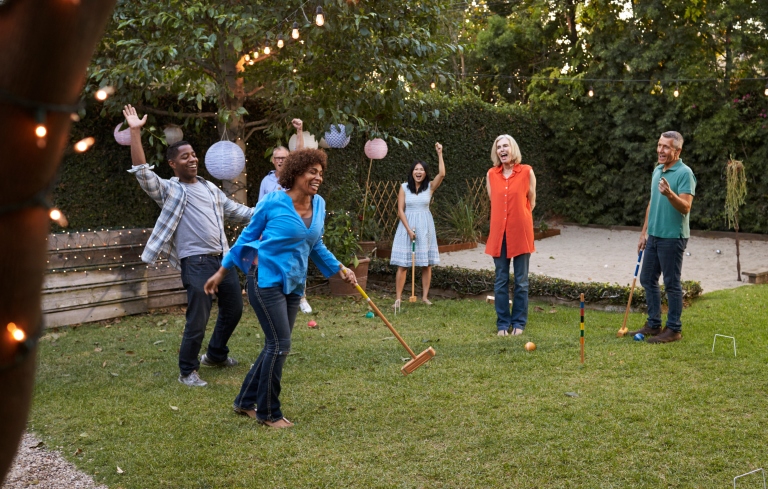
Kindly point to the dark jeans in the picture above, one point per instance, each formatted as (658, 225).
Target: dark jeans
(663, 256)
(195, 271)
(518, 317)
(277, 313)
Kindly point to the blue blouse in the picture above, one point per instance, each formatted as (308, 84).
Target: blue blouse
(285, 246)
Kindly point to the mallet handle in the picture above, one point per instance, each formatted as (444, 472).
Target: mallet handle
(632, 289)
(378, 313)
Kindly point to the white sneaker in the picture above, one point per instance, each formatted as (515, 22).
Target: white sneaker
(304, 306)
(192, 380)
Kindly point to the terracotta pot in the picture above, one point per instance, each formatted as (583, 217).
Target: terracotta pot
(367, 246)
(341, 288)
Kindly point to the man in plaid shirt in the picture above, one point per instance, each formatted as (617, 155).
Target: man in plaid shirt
(190, 230)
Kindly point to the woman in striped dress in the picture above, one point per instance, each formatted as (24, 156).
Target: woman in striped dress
(416, 223)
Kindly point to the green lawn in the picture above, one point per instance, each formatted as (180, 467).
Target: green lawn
(483, 413)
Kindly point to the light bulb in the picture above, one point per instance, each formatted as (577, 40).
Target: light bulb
(101, 95)
(55, 214)
(319, 17)
(295, 31)
(17, 333)
(676, 93)
(509, 89)
(247, 57)
(280, 42)
(41, 131)
(84, 144)
(591, 92)
(266, 49)
(766, 89)
(432, 85)
(104, 92)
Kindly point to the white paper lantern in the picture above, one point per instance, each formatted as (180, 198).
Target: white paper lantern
(376, 149)
(323, 144)
(123, 137)
(309, 142)
(173, 134)
(225, 160)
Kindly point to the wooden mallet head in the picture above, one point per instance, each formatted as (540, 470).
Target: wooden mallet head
(418, 361)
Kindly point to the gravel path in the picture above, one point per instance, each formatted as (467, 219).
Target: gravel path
(38, 467)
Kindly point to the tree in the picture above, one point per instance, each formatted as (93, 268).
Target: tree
(359, 69)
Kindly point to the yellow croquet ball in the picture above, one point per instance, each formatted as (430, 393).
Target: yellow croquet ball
(530, 346)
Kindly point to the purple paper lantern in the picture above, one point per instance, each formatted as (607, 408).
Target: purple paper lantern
(123, 137)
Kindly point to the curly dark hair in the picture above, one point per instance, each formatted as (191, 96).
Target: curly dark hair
(298, 162)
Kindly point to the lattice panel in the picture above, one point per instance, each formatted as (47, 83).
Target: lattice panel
(383, 196)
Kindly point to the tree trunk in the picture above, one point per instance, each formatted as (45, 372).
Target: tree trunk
(232, 97)
(45, 48)
(728, 60)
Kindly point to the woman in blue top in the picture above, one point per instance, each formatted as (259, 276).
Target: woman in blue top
(290, 225)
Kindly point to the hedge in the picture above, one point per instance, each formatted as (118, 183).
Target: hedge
(475, 282)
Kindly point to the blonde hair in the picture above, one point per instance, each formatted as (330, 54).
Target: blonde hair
(513, 147)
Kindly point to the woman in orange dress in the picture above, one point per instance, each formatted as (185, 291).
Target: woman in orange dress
(512, 190)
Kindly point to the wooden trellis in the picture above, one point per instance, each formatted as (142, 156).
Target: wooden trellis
(382, 196)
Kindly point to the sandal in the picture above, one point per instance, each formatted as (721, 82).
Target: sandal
(426, 301)
(279, 424)
(251, 413)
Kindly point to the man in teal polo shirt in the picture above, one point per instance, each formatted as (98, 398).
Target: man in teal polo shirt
(664, 238)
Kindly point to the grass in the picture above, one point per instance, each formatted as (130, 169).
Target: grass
(483, 413)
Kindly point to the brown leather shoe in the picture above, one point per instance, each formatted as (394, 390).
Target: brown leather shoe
(645, 331)
(666, 336)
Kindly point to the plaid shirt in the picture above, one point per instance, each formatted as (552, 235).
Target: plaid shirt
(172, 198)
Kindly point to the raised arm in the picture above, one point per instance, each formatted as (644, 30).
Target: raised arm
(441, 168)
(532, 191)
(137, 150)
(299, 133)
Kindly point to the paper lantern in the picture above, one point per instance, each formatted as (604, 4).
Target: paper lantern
(173, 134)
(309, 142)
(337, 136)
(225, 160)
(376, 149)
(323, 144)
(123, 137)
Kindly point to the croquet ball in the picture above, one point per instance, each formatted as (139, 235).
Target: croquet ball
(687, 253)
(530, 346)
(369, 314)
(312, 324)
(717, 251)
(639, 337)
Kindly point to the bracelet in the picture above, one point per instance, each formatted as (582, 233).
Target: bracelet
(23, 348)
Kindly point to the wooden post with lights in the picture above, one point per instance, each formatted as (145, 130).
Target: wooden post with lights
(35, 130)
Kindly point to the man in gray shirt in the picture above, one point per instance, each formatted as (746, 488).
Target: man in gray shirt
(190, 230)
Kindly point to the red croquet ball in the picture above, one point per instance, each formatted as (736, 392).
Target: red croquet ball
(530, 346)
(312, 324)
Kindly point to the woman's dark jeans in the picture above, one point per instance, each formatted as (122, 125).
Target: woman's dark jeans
(663, 256)
(518, 316)
(276, 312)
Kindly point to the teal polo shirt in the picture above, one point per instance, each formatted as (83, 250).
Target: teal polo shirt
(664, 221)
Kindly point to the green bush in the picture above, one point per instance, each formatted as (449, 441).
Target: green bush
(475, 282)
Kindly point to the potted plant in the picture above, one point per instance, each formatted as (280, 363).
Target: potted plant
(341, 240)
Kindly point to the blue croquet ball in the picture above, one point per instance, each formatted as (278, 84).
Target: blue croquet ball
(639, 337)
(369, 314)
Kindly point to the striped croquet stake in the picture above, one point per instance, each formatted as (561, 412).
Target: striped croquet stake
(581, 338)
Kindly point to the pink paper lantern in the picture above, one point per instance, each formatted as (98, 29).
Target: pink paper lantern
(123, 137)
(376, 149)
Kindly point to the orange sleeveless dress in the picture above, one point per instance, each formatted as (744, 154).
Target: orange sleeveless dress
(510, 212)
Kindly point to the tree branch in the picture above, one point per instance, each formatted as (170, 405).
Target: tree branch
(258, 128)
(256, 123)
(254, 91)
(193, 115)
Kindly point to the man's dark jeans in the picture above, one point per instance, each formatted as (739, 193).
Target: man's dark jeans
(663, 256)
(277, 314)
(195, 271)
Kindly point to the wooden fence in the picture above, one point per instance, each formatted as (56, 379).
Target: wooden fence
(99, 275)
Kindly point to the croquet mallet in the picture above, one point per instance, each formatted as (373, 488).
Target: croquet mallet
(623, 331)
(416, 360)
(581, 328)
(412, 298)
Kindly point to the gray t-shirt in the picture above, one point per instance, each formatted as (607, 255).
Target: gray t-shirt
(198, 231)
